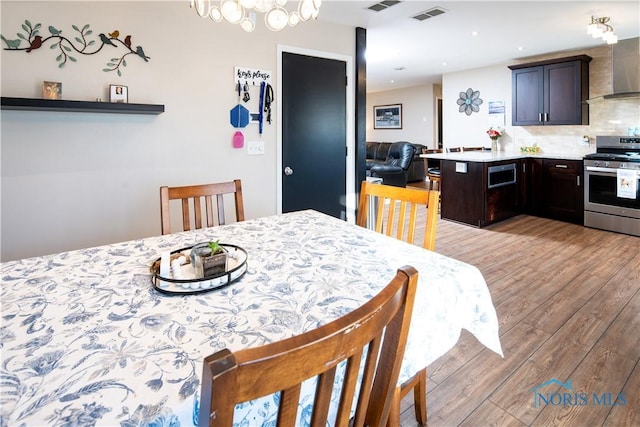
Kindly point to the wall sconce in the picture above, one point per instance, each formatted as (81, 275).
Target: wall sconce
(599, 27)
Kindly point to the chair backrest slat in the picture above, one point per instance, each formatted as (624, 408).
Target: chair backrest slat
(220, 203)
(196, 195)
(379, 327)
(289, 399)
(409, 200)
(185, 214)
(324, 388)
(367, 380)
(350, 383)
(197, 212)
(208, 204)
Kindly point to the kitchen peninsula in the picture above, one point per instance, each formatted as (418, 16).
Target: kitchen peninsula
(483, 187)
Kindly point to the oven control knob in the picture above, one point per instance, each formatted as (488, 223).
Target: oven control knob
(596, 163)
(606, 164)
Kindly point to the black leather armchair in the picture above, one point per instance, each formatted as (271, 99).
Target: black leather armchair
(395, 170)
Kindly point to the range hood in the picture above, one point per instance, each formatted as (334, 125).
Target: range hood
(625, 63)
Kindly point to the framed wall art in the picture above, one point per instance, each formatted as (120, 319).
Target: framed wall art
(387, 116)
(51, 90)
(118, 93)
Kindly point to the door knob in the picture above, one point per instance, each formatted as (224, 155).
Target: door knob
(288, 171)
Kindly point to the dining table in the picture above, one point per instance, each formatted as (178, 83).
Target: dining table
(87, 338)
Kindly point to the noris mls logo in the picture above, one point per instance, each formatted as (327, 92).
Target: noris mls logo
(567, 396)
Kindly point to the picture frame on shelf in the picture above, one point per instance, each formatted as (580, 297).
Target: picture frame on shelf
(387, 116)
(51, 90)
(118, 93)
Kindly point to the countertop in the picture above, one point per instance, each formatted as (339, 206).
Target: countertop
(496, 156)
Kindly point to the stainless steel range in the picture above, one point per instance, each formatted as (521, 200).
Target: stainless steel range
(612, 187)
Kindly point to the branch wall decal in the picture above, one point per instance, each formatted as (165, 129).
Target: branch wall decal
(34, 40)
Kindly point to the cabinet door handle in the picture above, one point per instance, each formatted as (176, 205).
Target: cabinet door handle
(562, 166)
(539, 117)
(546, 117)
(578, 178)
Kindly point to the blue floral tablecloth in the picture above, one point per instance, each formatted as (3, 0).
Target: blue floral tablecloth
(85, 339)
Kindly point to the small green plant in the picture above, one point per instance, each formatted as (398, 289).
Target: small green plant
(215, 247)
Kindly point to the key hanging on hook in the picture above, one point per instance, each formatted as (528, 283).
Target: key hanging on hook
(268, 99)
(246, 96)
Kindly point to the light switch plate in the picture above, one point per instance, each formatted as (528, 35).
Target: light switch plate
(255, 148)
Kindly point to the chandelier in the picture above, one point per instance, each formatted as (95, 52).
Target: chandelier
(243, 12)
(599, 27)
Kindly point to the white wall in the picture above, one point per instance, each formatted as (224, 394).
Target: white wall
(418, 115)
(494, 84)
(73, 180)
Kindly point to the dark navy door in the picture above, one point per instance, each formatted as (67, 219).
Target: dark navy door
(314, 146)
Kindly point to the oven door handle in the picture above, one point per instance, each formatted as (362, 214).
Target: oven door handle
(611, 171)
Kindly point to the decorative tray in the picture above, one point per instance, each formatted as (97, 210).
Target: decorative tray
(184, 281)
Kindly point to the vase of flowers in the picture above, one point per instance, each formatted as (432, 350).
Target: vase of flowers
(495, 133)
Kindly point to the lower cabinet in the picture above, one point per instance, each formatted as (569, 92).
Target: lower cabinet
(553, 188)
(462, 193)
(531, 189)
(565, 195)
(479, 193)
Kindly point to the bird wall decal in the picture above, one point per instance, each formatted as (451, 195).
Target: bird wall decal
(11, 44)
(82, 44)
(54, 31)
(141, 54)
(105, 40)
(35, 43)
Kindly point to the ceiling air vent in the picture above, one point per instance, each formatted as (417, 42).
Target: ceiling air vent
(383, 5)
(429, 13)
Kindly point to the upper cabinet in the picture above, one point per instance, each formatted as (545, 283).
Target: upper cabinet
(552, 92)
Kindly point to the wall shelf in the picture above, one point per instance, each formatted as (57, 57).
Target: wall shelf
(62, 105)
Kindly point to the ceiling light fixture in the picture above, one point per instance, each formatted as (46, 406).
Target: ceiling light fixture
(243, 12)
(599, 27)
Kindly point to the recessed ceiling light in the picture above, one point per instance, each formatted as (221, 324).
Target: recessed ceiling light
(444, 64)
(392, 81)
(474, 33)
(520, 48)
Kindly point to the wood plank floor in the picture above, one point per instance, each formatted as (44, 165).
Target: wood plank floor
(568, 303)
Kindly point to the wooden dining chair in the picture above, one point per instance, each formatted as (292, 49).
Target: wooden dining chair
(402, 226)
(409, 201)
(373, 335)
(465, 149)
(196, 196)
(454, 150)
